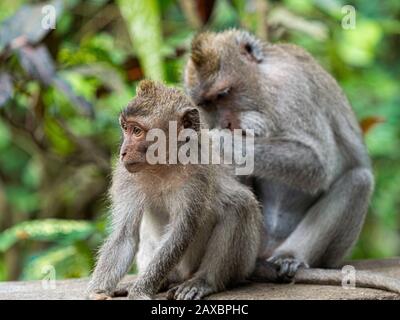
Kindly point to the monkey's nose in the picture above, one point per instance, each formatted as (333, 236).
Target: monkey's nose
(123, 154)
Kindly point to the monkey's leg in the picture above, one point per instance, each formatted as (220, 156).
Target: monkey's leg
(229, 258)
(330, 227)
(167, 256)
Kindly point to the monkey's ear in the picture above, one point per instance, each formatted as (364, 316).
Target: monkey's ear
(191, 119)
(250, 47)
(146, 87)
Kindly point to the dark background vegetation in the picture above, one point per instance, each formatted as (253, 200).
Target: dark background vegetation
(61, 91)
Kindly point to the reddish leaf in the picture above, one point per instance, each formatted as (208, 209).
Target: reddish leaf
(133, 69)
(369, 122)
(205, 8)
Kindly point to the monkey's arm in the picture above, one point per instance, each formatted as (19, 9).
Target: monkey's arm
(116, 254)
(290, 161)
(168, 255)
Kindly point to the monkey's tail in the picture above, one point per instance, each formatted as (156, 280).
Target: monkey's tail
(363, 279)
(266, 272)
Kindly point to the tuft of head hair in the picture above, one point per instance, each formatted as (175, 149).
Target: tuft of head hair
(147, 87)
(147, 92)
(203, 52)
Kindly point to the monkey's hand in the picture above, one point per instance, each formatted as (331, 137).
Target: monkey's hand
(193, 289)
(287, 266)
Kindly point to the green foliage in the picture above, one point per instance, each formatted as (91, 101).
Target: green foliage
(61, 92)
(144, 24)
(45, 230)
(69, 261)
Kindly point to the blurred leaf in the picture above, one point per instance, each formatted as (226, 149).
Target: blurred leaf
(382, 140)
(332, 7)
(76, 100)
(5, 136)
(289, 20)
(224, 15)
(369, 122)
(32, 174)
(60, 141)
(106, 74)
(144, 24)
(45, 230)
(38, 63)
(386, 200)
(67, 261)
(6, 88)
(22, 199)
(101, 47)
(27, 24)
(300, 6)
(3, 269)
(357, 46)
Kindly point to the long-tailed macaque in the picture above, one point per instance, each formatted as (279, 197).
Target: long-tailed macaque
(312, 172)
(193, 225)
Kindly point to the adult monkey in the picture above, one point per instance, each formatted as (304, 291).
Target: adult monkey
(312, 172)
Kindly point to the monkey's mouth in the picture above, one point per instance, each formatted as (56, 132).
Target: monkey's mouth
(133, 166)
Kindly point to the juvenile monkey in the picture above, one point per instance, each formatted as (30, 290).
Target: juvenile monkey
(192, 224)
(312, 172)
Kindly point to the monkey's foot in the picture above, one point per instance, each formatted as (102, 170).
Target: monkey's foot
(98, 295)
(287, 266)
(135, 294)
(193, 289)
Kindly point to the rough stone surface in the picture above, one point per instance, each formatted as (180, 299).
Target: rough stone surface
(74, 289)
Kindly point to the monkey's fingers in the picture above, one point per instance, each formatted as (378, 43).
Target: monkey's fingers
(171, 293)
(286, 267)
(194, 289)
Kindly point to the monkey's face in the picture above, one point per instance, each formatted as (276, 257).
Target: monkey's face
(221, 76)
(156, 115)
(134, 146)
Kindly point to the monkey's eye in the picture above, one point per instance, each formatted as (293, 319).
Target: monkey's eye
(137, 131)
(124, 126)
(223, 93)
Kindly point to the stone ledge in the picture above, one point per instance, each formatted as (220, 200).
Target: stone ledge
(74, 289)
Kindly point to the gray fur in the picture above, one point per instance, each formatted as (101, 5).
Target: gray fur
(193, 225)
(312, 171)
